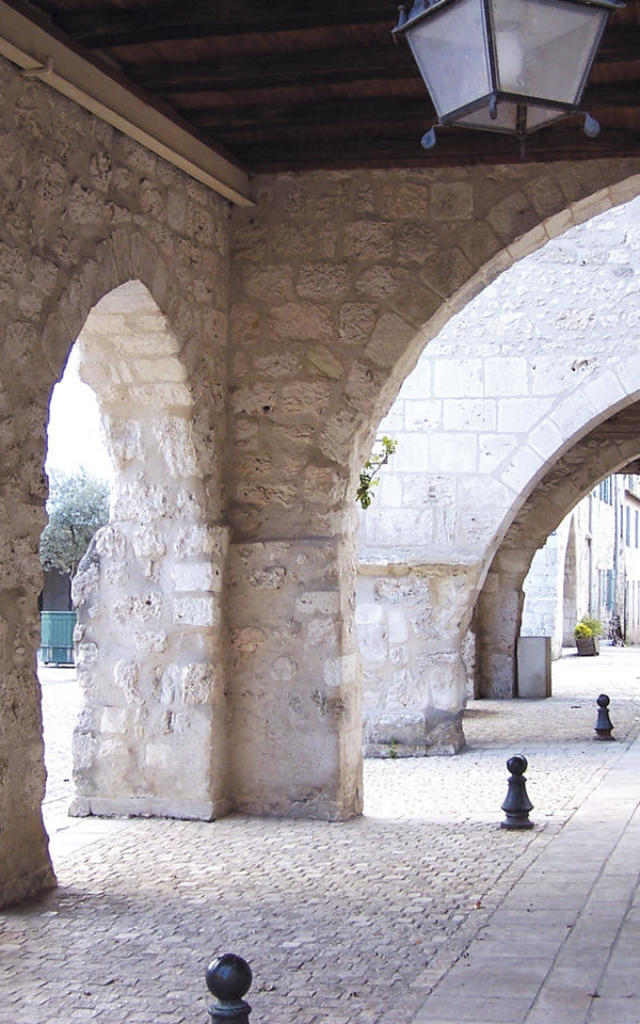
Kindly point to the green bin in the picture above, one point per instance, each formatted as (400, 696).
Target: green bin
(56, 637)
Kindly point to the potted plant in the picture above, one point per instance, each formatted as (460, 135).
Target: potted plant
(587, 632)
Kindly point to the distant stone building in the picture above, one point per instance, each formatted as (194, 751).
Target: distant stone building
(589, 566)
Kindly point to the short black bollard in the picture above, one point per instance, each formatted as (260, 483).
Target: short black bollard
(517, 803)
(604, 725)
(229, 979)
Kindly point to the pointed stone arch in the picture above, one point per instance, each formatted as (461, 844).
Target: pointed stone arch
(609, 448)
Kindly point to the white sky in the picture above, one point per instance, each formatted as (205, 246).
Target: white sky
(74, 427)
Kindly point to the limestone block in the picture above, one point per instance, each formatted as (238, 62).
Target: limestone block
(141, 609)
(520, 414)
(126, 676)
(84, 753)
(123, 440)
(451, 379)
(320, 632)
(494, 449)
(271, 577)
(456, 453)
(323, 485)
(341, 671)
(382, 282)
(198, 683)
(521, 469)
(175, 441)
(368, 240)
(148, 542)
(398, 626)
(320, 281)
(86, 656)
(114, 720)
(506, 376)
(304, 399)
(357, 321)
(84, 584)
(318, 602)
(247, 640)
(452, 201)
(151, 642)
(301, 321)
(426, 415)
(196, 576)
(195, 611)
(111, 543)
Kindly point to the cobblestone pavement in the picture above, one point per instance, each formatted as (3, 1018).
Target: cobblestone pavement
(342, 923)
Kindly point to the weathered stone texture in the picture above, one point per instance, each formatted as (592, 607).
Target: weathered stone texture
(509, 383)
(242, 363)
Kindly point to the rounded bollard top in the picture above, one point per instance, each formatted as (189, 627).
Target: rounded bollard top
(517, 764)
(603, 701)
(228, 978)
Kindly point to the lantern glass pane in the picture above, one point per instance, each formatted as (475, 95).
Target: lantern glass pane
(545, 48)
(507, 119)
(450, 49)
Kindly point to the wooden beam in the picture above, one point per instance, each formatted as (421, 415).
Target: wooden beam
(275, 70)
(270, 117)
(108, 26)
(318, 115)
(453, 149)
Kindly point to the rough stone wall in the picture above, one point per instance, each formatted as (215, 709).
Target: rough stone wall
(151, 738)
(338, 280)
(525, 370)
(542, 613)
(83, 210)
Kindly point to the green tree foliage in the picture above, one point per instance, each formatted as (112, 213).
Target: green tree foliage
(78, 505)
(382, 452)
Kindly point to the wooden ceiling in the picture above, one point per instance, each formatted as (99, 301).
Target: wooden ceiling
(279, 85)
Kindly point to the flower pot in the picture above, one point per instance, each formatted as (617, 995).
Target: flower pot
(587, 646)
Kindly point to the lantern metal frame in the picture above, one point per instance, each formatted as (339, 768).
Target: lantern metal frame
(424, 9)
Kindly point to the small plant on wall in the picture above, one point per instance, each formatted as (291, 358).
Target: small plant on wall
(383, 449)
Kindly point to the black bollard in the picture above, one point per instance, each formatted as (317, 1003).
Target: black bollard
(517, 803)
(229, 979)
(604, 725)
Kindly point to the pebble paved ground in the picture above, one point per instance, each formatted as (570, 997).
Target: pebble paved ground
(342, 923)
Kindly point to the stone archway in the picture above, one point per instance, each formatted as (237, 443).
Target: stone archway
(607, 449)
(151, 736)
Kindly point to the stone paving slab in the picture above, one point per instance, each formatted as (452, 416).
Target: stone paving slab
(589, 938)
(342, 923)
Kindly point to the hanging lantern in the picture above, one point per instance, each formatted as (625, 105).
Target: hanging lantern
(511, 66)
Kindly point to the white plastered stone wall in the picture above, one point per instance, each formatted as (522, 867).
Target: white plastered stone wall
(531, 365)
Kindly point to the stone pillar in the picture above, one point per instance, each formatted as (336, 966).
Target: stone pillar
(151, 738)
(295, 679)
(498, 618)
(412, 622)
(25, 866)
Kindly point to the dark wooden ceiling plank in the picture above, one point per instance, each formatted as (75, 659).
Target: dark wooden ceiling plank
(468, 148)
(110, 27)
(320, 114)
(370, 110)
(273, 70)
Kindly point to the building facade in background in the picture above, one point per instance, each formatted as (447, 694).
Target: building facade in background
(589, 566)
